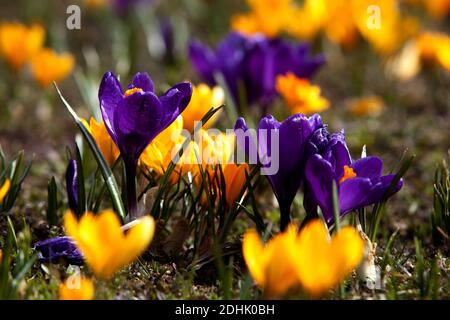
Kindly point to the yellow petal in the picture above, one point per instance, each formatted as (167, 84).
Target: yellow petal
(76, 289)
(4, 189)
(253, 251)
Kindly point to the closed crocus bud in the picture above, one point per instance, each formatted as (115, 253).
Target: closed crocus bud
(234, 176)
(72, 185)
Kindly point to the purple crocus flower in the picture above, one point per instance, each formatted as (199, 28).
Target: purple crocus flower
(72, 185)
(54, 250)
(281, 153)
(135, 117)
(252, 63)
(359, 183)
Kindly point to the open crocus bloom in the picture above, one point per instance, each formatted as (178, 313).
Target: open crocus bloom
(55, 250)
(102, 242)
(310, 258)
(291, 137)
(135, 117)
(359, 183)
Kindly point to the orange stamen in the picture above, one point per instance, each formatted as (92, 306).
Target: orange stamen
(131, 91)
(348, 174)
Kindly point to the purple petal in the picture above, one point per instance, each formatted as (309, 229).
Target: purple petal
(54, 250)
(137, 121)
(369, 167)
(379, 188)
(110, 96)
(352, 194)
(143, 81)
(320, 176)
(174, 101)
(203, 60)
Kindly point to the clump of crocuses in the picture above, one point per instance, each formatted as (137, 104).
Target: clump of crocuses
(300, 152)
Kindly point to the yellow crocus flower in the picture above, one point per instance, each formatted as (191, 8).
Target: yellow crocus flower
(308, 258)
(4, 189)
(103, 139)
(103, 243)
(19, 43)
(79, 289)
(300, 95)
(434, 47)
(370, 105)
(203, 98)
(272, 266)
(321, 262)
(234, 177)
(266, 16)
(385, 28)
(48, 66)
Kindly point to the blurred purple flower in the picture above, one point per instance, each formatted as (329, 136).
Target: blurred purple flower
(72, 185)
(123, 7)
(252, 63)
(55, 250)
(135, 117)
(168, 37)
(281, 147)
(359, 182)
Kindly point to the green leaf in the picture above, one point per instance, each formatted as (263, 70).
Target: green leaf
(107, 174)
(52, 203)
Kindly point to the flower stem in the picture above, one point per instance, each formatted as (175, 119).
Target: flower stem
(130, 173)
(285, 216)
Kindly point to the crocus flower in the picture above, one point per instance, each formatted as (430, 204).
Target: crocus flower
(80, 288)
(235, 178)
(104, 141)
(301, 96)
(359, 183)
(286, 154)
(19, 43)
(434, 47)
(135, 117)
(104, 245)
(321, 262)
(72, 185)
(48, 66)
(308, 258)
(266, 16)
(4, 189)
(54, 250)
(252, 64)
(203, 99)
(272, 266)
(369, 105)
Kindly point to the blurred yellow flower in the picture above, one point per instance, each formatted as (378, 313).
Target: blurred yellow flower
(19, 43)
(4, 189)
(438, 9)
(234, 177)
(382, 25)
(76, 289)
(370, 105)
(103, 243)
(103, 139)
(266, 16)
(321, 262)
(434, 47)
(309, 258)
(272, 266)
(203, 98)
(48, 66)
(95, 3)
(300, 95)
(312, 15)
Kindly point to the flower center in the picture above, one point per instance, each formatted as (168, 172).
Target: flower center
(131, 91)
(348, 174)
